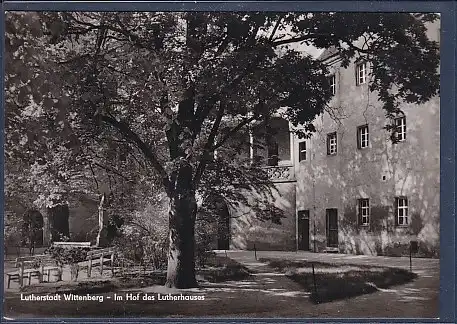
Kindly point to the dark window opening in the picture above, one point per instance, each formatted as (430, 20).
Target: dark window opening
(273, 153)
(302, 151)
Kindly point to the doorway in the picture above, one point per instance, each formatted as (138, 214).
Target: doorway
(303, 230)
(332, 227)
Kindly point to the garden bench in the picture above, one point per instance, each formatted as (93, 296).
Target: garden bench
(100, 257)
(70, 245)
(38, 266)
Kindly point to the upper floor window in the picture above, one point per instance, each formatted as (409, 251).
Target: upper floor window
(332, 82)
(401, 210)
(400, 128)
(361, 73)
(362, 136)
(302, 151)
(331, 144)
(273, 153)
(364, 211)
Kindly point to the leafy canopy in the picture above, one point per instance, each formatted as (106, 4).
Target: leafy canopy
(175, 87)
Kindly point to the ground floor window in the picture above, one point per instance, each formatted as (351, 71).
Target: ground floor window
(401, 206)
(364, 211)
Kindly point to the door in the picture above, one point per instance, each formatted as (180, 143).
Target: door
(332, 227)
(303, 230)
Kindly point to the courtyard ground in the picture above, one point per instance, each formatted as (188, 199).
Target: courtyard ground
(419, 298)
(267, 293)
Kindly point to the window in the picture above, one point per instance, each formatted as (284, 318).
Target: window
(302, 151)
(331, 144)
(364, 212)
(361, 73)
(401, 206)
(362, 136)
(400, 128)
(273, 153)
(332, 81)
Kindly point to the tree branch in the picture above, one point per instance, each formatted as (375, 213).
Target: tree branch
(207, 149)
(139, 225)
(291, 40)
(232, 132)
(107, 168)
(275, 29)
(125, 130)
(93, 174)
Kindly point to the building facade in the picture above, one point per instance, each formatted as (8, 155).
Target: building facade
(350, 188)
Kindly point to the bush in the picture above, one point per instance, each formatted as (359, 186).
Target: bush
(203, 243)
(155, 253)
(138, 247)
(67, 256)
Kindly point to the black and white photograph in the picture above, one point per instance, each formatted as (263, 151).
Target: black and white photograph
(236, 164)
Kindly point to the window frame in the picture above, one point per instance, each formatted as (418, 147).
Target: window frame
(405, 211)
(302, 153)
(358, 71)
(402, 125)
(329, 145)
(272, 147)
(361, 208)
(332, 82)
(359, 136)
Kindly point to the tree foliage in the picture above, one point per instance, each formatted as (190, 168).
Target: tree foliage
(166, 90)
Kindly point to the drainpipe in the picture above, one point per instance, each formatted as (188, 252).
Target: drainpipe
(314, 234)
(314, 208)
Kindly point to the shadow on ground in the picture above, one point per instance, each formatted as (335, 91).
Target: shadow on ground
(327, 282)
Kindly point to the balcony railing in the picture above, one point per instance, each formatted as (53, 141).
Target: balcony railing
(280, 173)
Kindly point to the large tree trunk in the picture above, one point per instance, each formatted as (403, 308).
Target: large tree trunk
(183, 206)
(182, 213)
